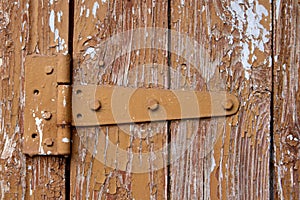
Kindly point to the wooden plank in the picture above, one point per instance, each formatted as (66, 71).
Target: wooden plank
(27, 27)
(224, 158)
(118, 162)
(286, 99)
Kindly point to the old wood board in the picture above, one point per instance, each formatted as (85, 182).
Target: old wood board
(251, 49)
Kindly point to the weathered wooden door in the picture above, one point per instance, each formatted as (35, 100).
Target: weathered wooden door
(251, 49)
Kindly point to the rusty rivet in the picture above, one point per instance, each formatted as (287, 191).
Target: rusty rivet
(95, 105)
(49, 69)
(47, 115)
(49, 142)
(227, 104)
(153, 104)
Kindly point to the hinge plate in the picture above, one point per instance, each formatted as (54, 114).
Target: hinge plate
(105, 105)
(48, 105)
(47, 112)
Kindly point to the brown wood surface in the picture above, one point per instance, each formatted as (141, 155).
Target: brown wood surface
(224, 158)
(220, 158)
(91, 177)
(26, 28)
(286, 99)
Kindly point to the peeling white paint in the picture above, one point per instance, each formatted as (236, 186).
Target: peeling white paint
(278, 2)
(66, 140)
(52, 21)
(213, 163)
(90, 51)
(61, 44)
(246, 19)
(87, 13)
(4, 19)
(30, 189)
(4, 186)
(182, 2)
(56, 34)
(292, 138)
(59, 15)
(1, 62)
(8, 148)
(230, 37)
(10, 144)
(82, 9)
(40, 126)
(95, 7)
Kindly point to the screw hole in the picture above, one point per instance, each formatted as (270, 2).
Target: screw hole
(34, 135)
(36, 92)
(78, 91)
(79, 116)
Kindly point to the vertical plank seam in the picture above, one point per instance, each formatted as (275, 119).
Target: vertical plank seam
(169, 86)
(70, 47)
(271, 157)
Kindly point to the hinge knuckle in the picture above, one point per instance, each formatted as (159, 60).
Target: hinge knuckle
(63, 70)
(64, 114)
(63, 140)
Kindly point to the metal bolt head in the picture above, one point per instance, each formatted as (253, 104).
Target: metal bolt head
(227, 104)
(47, 115)
(48, 142)
(153, 104)
(49, 69)
(95, 105)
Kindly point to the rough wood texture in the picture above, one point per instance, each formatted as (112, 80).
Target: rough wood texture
(223, 158)
(286, 99)
(118, 162)
(27, 27)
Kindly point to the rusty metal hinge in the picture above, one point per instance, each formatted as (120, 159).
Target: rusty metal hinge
(48, 111)
(104, 105)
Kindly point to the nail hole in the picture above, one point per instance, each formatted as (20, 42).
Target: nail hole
(36, 92)
(34, 135)
(78, 91)
(79, 115)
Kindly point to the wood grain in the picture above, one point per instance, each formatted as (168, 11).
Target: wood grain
(224, 158)
(25, 29)
(286, 99)
(105, 160)
(220, 158)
